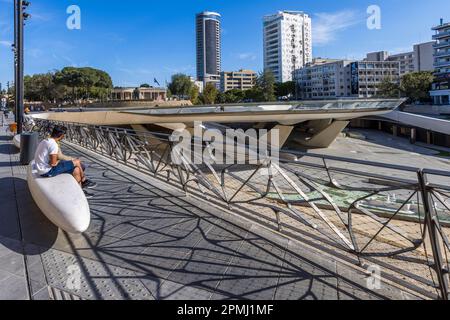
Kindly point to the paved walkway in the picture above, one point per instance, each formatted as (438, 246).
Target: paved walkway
(148, 240)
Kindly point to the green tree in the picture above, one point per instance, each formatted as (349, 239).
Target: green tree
(145, 85)
(234, 96)
(42, 87)
(180, 85)
(417, 85)
(86, 82)
(194, 95)
(285, 89)
(388, 88)
(209, 94)
(266, 85)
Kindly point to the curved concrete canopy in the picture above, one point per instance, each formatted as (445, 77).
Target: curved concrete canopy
(282, 113)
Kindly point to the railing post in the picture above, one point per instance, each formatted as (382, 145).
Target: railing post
(431, 220)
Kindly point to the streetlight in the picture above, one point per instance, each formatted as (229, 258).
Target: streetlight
(19, 19)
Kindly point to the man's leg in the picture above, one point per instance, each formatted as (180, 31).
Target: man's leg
(77, 175)
(78, 165)
(85, 183)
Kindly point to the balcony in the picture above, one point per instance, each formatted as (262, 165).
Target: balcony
(441, 35)
(442, 64)
(442, 54)
(441, 45)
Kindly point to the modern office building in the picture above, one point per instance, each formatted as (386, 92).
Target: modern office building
(333, 79)
(208, 47)
(441, 86)
(420, 59)
(366, 76)
(287, 43)
(242, 80)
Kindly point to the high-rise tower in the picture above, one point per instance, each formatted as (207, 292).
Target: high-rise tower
(287, 43)
(208, 47)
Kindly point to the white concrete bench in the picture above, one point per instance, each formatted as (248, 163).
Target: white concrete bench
(61, 199)
(16, 141)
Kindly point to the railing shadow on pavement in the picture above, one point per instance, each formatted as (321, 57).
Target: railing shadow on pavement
(402, 214)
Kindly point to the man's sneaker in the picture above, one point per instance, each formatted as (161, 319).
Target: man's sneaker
(88, 195)
(88, 184)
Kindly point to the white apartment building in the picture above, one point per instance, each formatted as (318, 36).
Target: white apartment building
(333, 79)
(287, 43)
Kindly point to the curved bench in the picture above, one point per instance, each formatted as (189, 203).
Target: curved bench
(16, 141)
(61, 199)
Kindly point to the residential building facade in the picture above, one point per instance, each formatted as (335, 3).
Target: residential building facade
(441, 87)
(208, 36)
(333, 79)
(324, 79)
(405, 60)
(287, 43)
(420, 59)
(366, 76)
(242, 80)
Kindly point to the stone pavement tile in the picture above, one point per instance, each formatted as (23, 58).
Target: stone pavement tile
(13, 263)
(9, 225)
(170, 290)
(35, 269)
(113, 227)
(199, 271)
(301, 279)
(253, 273)
(42, 295)
(158, 262)
(218, 247)
(4, 274)
(14, 288)
(36, 286)
(7, 245)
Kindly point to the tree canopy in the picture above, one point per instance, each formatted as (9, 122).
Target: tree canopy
(209, 94)
(180, 85)
(415, 85)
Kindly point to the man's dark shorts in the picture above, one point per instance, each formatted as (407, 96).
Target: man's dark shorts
(62, 167)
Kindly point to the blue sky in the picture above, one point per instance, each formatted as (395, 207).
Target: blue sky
(136, 40)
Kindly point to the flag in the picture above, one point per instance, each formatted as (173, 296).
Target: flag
(156, 81)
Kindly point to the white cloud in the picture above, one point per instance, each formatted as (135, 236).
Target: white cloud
(5, 43)
(180, 69)
(327, 26)
(246, 56)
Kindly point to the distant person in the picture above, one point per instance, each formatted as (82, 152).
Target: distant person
(48, 165)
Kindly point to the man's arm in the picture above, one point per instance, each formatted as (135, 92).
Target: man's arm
(54, 160)
(63, 157)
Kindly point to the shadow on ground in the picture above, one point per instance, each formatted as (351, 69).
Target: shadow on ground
(145, 241)
(31, 224)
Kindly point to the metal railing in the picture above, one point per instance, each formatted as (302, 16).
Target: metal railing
(366, 208)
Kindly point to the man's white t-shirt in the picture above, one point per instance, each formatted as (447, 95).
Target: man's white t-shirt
(46, 148)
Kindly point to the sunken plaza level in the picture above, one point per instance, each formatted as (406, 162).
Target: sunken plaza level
(306, 124)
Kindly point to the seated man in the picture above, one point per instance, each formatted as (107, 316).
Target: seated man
(48, 165)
